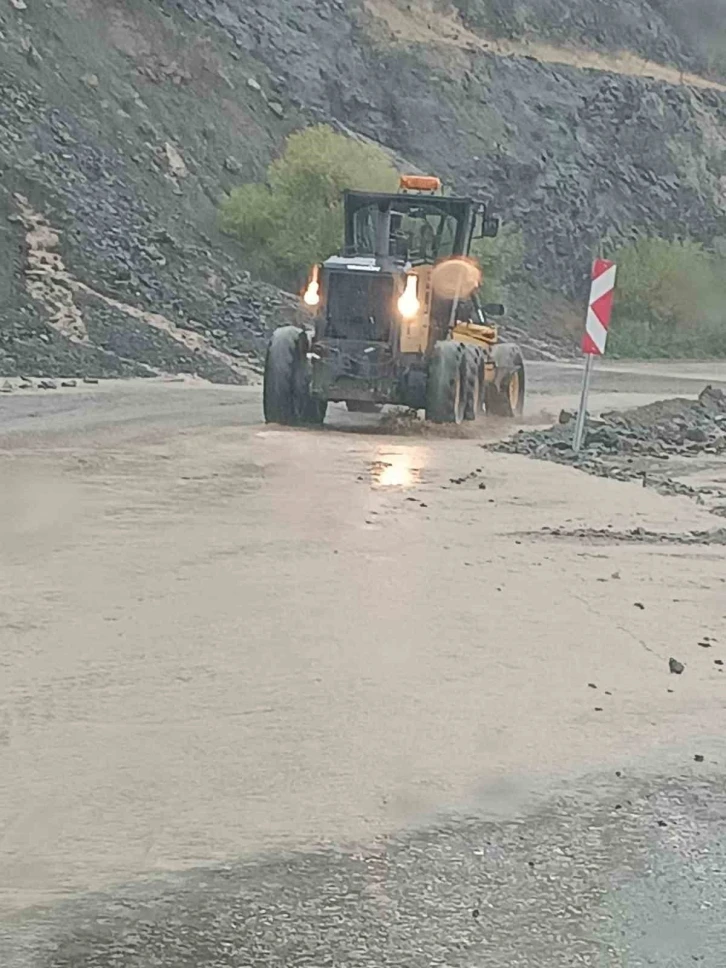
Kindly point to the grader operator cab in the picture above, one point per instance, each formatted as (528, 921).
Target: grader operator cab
(397, 318)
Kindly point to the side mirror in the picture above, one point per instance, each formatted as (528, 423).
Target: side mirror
(493, 309)
(489, 228)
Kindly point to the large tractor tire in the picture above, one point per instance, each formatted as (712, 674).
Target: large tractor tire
(474, 399)
(505, 396)
(446, 384)
(286, 394)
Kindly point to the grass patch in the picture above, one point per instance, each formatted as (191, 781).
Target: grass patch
(501, 261)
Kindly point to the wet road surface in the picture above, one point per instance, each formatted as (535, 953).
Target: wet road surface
(315, 698)
(628, 873)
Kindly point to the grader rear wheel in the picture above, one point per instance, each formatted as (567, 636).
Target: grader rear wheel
(505, 396)
(514, 392)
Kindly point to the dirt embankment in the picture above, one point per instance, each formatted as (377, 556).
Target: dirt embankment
(430, 24)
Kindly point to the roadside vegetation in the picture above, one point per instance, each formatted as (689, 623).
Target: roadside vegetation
(501, 262)
(670, 300)
(295, 218)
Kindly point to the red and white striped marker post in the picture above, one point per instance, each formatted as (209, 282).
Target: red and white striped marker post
(594, 341)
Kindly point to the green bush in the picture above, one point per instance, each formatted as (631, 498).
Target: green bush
(295, 219)
(670, 300)
(500, 259)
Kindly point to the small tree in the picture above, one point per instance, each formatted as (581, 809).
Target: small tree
(500, 259)
(296, 218)
(671, 299)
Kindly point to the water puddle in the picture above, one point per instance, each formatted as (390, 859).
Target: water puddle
(397, 468)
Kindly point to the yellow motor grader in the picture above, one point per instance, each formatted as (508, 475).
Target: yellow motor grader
(397, 319)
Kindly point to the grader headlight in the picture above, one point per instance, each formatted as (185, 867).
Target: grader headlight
(408, 303)
(312, 293)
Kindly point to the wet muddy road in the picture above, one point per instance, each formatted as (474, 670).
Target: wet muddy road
(337, 697)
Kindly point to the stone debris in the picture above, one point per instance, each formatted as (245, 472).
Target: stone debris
(676, 667)
(176, 163)
(635, 444)
(716, 536)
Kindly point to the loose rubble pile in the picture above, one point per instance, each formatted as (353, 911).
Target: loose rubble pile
(717, 536)
(635, 444)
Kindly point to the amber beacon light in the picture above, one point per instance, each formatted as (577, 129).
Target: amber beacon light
(420, 183)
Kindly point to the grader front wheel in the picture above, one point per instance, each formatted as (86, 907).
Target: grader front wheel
(286, 392)
(446, 384)
(474, 383)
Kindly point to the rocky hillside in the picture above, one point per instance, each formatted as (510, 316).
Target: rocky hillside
(120, 127)
(122, 122)
(691, 35)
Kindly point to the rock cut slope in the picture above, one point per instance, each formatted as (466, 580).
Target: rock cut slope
(122, 124)
(120, 130)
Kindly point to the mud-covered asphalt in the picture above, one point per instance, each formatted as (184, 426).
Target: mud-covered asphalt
(625, 873)
(334, 697)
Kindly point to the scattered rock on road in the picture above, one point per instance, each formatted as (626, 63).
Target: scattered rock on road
(634, 444)
(676, 667)
(716, 536)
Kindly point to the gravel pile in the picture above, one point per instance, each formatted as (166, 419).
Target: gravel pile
(634, 444)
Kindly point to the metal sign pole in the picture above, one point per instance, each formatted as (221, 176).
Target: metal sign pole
(582, 413)
(597, 322)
